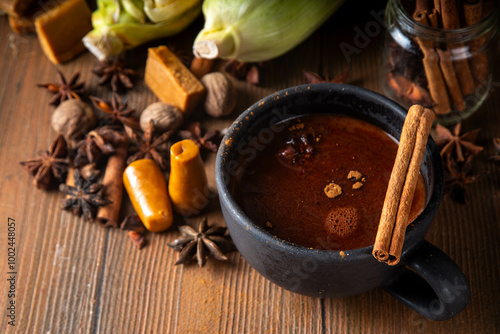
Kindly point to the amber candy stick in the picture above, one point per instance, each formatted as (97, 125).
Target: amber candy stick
(188, 186)
(147, 189)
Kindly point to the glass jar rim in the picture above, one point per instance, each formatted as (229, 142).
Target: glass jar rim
(459, 35)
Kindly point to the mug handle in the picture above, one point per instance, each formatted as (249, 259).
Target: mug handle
(432, 284)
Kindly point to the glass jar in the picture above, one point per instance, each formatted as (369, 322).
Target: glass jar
(448, 70)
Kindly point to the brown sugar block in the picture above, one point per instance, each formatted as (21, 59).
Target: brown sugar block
(171, 81)
(25, 24)
(61, 29)
(342, 221)
(15, 8)
(22, 25)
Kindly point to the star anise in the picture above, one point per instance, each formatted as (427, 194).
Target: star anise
(115, 73)
(64, 90)
(298, 147)
(453, 145)
(204, 141)
(313, 78)
(97, 142)
(460, 176)
(496, 143)
(49, 165)
(84, 196)
(244, 71)
(116, 112)
(149, 147)
(209, 240)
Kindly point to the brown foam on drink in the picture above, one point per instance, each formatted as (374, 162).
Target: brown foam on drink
(342, 221)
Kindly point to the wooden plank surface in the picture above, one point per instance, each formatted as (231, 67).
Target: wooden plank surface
(76, 277)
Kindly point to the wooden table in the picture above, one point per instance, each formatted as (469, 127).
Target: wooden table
(74, 276)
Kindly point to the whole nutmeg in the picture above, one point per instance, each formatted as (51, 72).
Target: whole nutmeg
(220, 99)
(73, 119)
(164, 116)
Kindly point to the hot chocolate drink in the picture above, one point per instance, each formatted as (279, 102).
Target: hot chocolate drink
(321, 182)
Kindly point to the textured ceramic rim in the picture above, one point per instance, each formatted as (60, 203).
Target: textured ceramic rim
(424, 220)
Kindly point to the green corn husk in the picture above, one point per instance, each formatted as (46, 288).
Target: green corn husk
(162, 10)
(258, 30)
(125, 24)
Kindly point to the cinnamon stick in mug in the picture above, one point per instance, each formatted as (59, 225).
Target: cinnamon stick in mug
(409, 187)
(401, 187)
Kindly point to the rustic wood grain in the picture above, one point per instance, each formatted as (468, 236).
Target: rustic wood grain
(76, 277)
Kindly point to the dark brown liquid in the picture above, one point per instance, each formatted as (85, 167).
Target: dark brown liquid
(284, 192)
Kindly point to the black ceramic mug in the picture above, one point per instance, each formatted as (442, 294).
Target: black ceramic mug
(426, 280)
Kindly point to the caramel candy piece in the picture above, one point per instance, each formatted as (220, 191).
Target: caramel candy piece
(187, 184)
(171, 81)
(15, 8)
(61, 29)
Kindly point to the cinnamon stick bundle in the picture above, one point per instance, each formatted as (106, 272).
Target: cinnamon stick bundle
(435, 80)
(455, 70)
(451, 20)
(422, 6)
(437, 6)
(446, 64)
(402, 183)
(472, 14)
(433, 18)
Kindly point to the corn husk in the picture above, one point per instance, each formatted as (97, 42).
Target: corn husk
(258, 30)
(125, 24)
